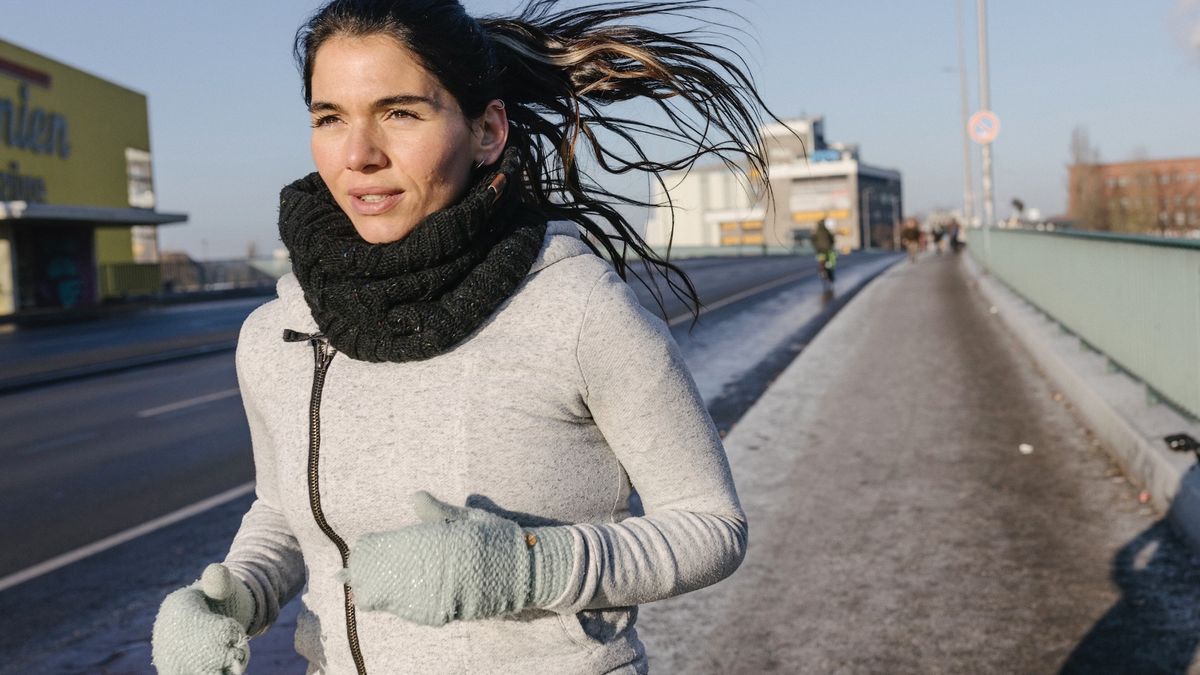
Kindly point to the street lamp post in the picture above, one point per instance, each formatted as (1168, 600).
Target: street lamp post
(968, 191)
(989, 205)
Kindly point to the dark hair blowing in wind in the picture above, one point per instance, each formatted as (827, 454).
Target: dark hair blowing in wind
(557, 69)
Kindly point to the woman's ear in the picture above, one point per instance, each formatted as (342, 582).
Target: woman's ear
(491, 133)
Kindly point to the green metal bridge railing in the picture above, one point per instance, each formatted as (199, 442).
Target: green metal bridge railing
(1135, 299)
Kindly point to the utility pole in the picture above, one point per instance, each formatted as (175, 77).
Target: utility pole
(968, 189)
(989, 205)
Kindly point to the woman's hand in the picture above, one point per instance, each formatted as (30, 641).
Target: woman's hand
(201, 629)
(459, 563)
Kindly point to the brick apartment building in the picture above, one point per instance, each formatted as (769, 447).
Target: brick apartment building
(1159, 196)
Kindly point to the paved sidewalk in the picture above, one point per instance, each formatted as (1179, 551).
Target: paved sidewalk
(896, 526)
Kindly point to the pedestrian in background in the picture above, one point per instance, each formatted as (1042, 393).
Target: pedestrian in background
(823, 245)
(454, 396)
(910, 238)
(954, 233)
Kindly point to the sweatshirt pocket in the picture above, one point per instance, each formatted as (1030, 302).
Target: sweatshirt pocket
(309, 640)
(593, 628)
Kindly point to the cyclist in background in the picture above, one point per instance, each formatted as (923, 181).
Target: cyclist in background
(822, 240)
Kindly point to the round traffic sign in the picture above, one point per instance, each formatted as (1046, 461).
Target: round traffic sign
(983, 127)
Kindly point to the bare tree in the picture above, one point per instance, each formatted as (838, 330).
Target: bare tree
(1082, 150)
(1088, 204)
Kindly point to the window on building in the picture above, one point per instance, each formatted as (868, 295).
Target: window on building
(1123, 181)
(139, 176)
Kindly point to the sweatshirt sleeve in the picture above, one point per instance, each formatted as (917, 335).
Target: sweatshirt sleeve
(264, 553)
(643, 399)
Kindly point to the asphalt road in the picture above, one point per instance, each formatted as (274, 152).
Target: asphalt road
(43, 354)
(94, 616)
(79, 462)
(88, 458)
(102, 467)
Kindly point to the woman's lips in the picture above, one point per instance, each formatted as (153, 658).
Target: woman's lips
(373, 204)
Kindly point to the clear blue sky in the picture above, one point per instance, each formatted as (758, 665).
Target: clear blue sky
(228, 126)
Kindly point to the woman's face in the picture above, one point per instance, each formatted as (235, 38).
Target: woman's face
(389, 141)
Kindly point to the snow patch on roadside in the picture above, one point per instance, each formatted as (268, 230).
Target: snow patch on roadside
(721, 352)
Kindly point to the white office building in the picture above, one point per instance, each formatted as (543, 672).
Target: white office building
(810, 178)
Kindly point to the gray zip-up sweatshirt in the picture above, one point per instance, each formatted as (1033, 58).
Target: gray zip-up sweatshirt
(568, 397)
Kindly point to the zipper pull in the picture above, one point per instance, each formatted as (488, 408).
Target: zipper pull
(322, 349)
(290, 335)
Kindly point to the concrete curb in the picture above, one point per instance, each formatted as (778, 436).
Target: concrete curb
(1113, 405)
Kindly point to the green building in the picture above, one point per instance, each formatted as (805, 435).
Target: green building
(77, 217)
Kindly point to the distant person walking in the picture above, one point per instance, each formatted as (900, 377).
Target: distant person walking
(954, 232)
(823, 244)
(910, 238)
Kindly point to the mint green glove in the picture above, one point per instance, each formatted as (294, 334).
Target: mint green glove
(201, 629)
(460, 563)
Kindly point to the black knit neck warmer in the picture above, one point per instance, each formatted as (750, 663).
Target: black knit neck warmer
(418, 297)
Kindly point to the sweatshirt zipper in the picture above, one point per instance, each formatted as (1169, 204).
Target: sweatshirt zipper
(323, 354)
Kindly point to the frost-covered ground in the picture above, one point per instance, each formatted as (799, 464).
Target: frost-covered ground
(734, 352)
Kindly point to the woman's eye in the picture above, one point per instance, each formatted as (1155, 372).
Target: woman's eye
(324, 120)
(402, 114)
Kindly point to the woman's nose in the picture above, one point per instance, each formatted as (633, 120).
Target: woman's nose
(363, 150)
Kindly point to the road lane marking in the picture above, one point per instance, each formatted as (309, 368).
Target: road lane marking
(180, 405)
(119, 538)
(742, 295)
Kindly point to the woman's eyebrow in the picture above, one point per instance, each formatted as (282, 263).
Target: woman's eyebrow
(323, 106)
(385, 102)
(405, 99)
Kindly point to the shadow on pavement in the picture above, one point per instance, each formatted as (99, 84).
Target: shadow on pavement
(1152, 627)
(827, 297)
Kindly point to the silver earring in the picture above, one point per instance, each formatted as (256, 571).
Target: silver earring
(479, 164)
